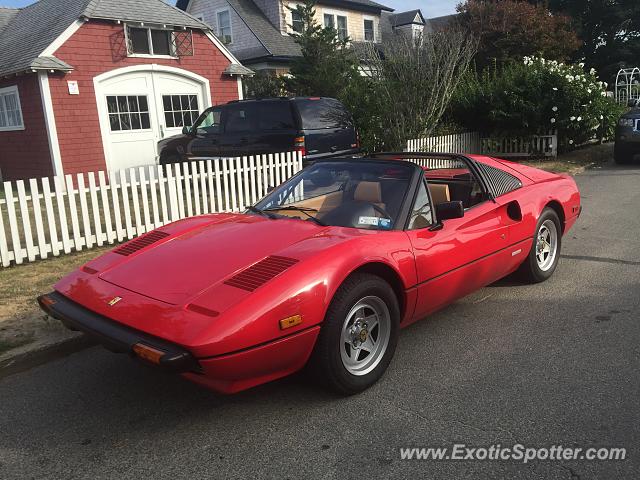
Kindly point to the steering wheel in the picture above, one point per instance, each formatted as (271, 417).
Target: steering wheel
(380, 210)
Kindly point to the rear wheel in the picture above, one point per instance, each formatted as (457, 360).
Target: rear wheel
(168, 158)
(621, 155)
(545, 251)
(359, 335)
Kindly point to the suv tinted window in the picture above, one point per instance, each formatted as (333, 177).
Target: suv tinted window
(241, 118)
(209, 122)
(323, 114)
(275, 116)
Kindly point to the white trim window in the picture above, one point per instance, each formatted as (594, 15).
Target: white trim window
(369, 27)
(223, 24)
(150, 42)
(10, 109)
(337, 22)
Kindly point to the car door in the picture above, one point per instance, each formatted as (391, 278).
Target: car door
(206, 133)
(457, 256)
(240, 125)
(276, 130)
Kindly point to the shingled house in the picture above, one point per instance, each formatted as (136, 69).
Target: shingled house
(258, 31)
(90, 85)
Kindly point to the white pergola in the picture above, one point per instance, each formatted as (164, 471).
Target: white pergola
(627, 85)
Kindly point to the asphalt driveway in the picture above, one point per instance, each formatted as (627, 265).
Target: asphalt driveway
(553, 364)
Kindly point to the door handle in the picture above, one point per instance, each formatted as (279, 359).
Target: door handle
(334, 148)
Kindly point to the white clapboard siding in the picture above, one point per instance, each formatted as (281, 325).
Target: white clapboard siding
(48, 217)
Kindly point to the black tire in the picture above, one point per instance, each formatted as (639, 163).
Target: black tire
(168, 158)
(326, 361)
(621, 156)
(530, 271)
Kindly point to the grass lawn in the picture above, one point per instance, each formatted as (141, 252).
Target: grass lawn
(577, 161)
(21, 320)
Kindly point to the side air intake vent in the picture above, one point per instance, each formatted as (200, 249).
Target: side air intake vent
(260, 273)
(140, 243)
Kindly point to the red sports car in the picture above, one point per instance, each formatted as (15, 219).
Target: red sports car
(323, 272)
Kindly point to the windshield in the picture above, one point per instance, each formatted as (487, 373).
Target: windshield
(357, 194)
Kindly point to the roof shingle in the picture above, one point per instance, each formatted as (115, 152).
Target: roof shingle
(29, 31)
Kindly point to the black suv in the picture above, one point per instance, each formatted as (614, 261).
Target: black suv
(628, 134)
(317, 127)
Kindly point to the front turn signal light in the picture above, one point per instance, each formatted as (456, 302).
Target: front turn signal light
(148, 353)
(290, 322)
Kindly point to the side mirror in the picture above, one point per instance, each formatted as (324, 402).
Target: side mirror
(632, 103)
(186, 130)
(449, 210)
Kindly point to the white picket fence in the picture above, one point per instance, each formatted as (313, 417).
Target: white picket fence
(534, 146)
(468, 142)
(473, 143)
(43, 217)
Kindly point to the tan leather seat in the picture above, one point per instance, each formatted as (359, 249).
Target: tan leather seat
(369, 192)
(439, 193)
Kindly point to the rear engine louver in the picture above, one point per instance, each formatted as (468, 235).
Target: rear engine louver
(140, 243)
(260, 273)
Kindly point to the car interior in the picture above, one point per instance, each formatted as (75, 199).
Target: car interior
(455, 184)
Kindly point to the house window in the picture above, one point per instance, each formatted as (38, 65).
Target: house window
(149, 41)
(343, 33)
(296, 21)
(180, 110)
(329, 21)
(369, 32)
(128, 112)
(337, 22)
(223, 18)
(10, 110)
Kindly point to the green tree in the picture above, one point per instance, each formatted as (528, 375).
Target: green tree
(512, 29)
(327, 65)
(264, 85)
(609, 31)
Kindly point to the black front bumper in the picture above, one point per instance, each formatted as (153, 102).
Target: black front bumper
(114, 336)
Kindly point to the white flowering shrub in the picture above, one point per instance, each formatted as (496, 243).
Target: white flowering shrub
(537, 96)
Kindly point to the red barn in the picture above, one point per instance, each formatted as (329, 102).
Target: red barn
(90, 85)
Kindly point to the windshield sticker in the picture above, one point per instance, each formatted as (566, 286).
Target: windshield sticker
(375, 222)
(384, 223)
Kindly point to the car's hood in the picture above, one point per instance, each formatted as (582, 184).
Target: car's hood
(183, 265)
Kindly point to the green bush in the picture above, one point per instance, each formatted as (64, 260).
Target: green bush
(536, 96)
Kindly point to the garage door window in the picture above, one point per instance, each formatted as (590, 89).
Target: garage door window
(128, 112)
(180, 110)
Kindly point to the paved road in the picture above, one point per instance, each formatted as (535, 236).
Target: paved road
(539, 365)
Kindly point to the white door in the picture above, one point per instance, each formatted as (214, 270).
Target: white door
(139, 108)
(180, 102)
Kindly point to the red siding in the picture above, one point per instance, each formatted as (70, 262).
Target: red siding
(94, 50)
(25, 153)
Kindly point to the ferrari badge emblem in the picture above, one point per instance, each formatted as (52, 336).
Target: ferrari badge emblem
(114, 300)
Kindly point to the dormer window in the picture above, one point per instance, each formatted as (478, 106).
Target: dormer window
(149, 41)
(297, 23)
(223, 19)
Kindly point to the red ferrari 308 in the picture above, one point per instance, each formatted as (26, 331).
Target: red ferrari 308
(323, 272)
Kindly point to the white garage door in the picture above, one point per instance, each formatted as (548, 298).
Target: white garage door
(139, 108)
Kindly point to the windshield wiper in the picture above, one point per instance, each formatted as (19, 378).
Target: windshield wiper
(261, 212)
(293, 208)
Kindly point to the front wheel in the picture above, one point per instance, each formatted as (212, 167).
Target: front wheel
(359, 335)
(545, 251)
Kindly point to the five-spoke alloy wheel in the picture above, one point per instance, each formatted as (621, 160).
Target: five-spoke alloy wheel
(545, 251)
(359, 335)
